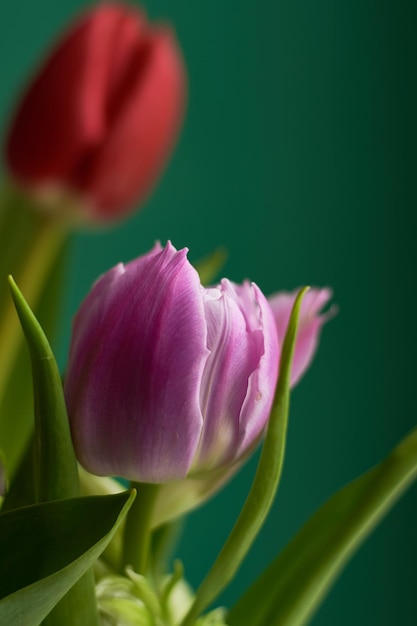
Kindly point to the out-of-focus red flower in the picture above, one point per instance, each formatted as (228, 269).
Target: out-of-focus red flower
(100, 119)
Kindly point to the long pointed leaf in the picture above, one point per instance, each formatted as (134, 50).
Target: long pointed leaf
(56, 468)
(16, 407)
(292, 587)
(30, 244)
(55, 458)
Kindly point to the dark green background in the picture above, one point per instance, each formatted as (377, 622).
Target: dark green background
(298, 154)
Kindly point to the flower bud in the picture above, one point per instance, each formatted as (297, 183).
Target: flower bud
(98, 122)
(166, 378)
(309, 324)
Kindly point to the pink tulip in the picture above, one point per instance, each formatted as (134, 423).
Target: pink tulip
(309, 326)
(166, 378)
(100, 119)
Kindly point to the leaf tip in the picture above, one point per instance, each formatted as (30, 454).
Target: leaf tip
(12, 283)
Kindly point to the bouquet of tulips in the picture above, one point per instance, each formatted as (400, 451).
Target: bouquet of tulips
(170, 384)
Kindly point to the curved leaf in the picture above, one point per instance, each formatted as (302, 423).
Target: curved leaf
(55, 460)
(46, 548)
(292, 587)
(31, 247)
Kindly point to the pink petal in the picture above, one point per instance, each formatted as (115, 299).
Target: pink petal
(134, 371)
(237, 387)
(310, 323)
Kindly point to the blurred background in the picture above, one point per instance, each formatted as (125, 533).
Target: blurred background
(298, 155)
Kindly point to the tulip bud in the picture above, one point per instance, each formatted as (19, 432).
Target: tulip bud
(182, 496)
(166, 378)
(309, 324)
(98, 122)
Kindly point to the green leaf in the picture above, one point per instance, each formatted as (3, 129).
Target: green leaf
(16, 411)
(137, 533)
(21, 491)
(210, 266)
(46, 548)
(32, 248)
(56, 464)
(56, 471)
(264, 486)
(292, 587)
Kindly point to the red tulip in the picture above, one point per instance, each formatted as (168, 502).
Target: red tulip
(100, 119)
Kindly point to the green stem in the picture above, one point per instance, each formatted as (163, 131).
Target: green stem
(164, 539)
(137, 533)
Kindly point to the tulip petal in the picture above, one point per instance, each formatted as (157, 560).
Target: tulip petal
(142, 134)
(237, 346)
(62, 113)
(262, 382)
(100, 119)
(310, 324)
(141, 354)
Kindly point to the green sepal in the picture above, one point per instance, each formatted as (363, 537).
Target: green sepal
(264, 485)
(45, 548)
(55, 461)
(290, 590)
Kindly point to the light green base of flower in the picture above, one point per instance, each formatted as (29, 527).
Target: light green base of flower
(132, 600)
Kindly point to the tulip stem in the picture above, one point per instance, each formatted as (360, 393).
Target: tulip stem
(137, 533)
